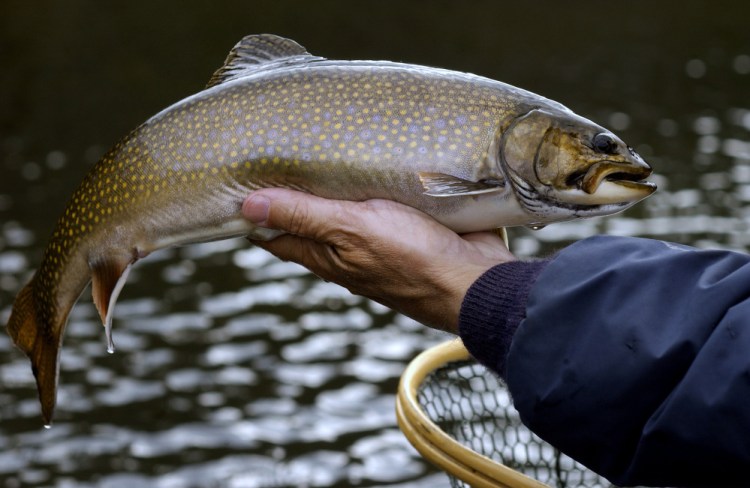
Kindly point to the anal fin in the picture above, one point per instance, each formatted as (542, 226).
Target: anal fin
(108, 277)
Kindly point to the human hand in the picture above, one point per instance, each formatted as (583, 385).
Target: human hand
(391, 253)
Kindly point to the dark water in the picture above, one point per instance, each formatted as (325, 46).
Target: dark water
(234, 369)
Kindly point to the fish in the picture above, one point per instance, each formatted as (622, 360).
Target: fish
(474, 153)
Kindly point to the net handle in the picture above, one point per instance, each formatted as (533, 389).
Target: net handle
(432, 442)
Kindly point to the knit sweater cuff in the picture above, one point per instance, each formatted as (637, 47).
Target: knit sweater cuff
(493, 308)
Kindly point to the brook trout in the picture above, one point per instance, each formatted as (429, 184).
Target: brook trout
(474, 153)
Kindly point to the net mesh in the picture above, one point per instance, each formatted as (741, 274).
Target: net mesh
(472, 405)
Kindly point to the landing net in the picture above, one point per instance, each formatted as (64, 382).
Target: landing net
(459, 416)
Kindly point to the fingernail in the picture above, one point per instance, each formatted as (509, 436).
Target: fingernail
(255, 209)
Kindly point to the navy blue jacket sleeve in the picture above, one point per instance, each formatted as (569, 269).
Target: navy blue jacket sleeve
(634, 358)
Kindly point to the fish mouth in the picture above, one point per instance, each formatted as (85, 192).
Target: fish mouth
(626, 175)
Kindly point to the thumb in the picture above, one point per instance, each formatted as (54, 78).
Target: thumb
(294, 212)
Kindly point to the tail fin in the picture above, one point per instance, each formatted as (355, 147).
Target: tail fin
(41, 343)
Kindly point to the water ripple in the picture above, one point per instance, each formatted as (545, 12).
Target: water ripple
(13, 262)
(230, 303)
(318, 347)
(186, 436)
(223, 354)
(352, 319)
(126, 391)
(308, 375)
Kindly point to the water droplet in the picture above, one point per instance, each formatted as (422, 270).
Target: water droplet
(741, 64)
(707, 125)
(536, 226)
(619, 120)
(31, 171)
(47, 426)
(667, 127)
(695, 68)
(110, 344)
(56, 160)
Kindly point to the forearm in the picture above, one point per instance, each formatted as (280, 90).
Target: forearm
(632, 358)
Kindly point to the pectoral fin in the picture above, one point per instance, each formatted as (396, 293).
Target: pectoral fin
(443, 185)
(108, 278)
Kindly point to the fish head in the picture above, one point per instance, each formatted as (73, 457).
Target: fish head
(563, 166)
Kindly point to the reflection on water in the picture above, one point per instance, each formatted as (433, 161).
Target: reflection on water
(234, 369)
(244, 398)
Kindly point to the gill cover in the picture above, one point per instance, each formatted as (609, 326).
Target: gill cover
(546, 148)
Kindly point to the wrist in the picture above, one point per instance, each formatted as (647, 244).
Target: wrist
(493, 308)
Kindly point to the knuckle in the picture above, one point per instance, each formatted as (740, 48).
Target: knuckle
(298, 219)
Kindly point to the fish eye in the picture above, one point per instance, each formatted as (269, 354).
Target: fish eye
(604, 143)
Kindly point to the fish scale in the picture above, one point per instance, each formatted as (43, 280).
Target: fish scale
(474, 153)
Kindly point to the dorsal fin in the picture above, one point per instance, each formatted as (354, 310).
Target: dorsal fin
(255, 51)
